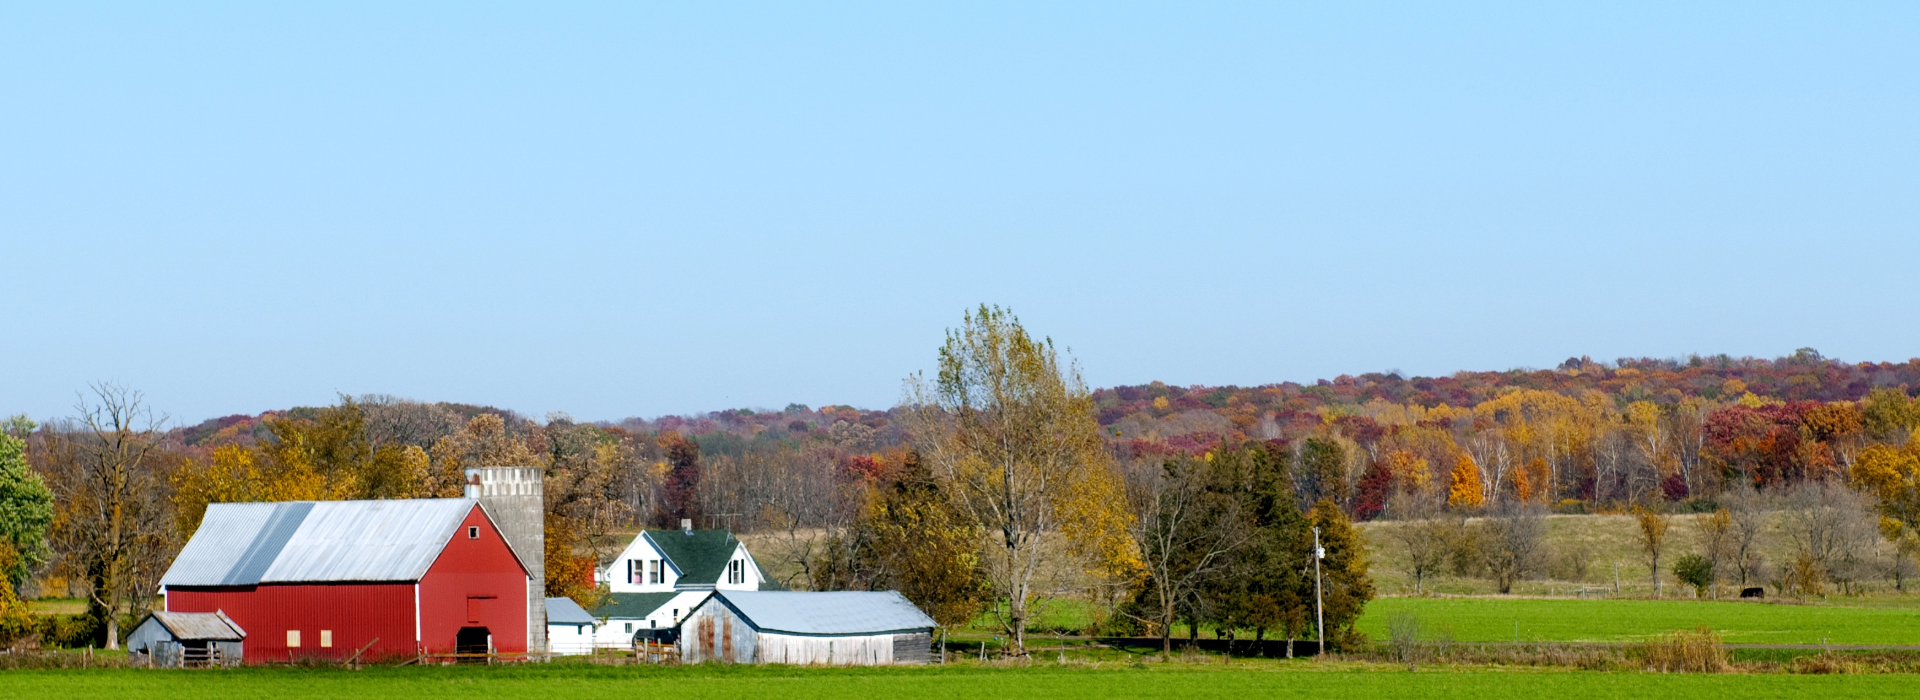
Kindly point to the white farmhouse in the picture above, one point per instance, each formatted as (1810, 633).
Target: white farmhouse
(663, 575)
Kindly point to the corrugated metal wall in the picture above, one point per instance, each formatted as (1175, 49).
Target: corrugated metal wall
(477, 575)
(336, 619)
(351, 614)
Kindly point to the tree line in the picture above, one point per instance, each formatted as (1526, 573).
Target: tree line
(1001, 481)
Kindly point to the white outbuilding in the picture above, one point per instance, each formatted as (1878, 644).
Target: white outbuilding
(570, 627)
(835, 628)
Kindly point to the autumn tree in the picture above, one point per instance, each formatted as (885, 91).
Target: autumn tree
(483, 442)
(1464, 487)
(1010, 433)
(1892, 475)
(924, 547)
(1652, 530)
(1345, 584)
(682, 489)
(333, 443)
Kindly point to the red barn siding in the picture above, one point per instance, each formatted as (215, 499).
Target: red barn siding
(355, 613)
(485, 571)
(482, 569)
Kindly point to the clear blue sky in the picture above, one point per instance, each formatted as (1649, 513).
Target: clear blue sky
(639, 209)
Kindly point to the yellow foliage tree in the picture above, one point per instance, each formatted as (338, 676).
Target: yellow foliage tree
(235, 474)
(1892, 475)
(1465, 489)
(1409, 469)
(1009, 434)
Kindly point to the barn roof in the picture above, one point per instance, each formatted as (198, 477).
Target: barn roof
(827, 612)
(563, 611)
(213, 626)
(243, 544)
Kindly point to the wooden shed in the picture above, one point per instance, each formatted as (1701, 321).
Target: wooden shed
(838, 628)
(180, 640)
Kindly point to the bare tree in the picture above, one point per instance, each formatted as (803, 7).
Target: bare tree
(1425, 531)
(114, 525)
(1717, 545)
(1833, 532)
(1512, 543)
(1186, 534)
(1748, 510)
(797, 497)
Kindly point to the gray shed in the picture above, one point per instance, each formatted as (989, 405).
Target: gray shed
(836, 628)
(175, 640)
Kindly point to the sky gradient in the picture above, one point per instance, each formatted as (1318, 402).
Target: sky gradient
(633, 209)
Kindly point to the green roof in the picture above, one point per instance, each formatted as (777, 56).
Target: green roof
(700, 556)
(632, 606)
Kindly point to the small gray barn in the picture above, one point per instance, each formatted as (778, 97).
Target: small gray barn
(836, 628)
(176, 639)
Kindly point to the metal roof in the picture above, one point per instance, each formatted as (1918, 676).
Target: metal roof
(243, 544)
(197, 626)
(563, 611)
(827, 612)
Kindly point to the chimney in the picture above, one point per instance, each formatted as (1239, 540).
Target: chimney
(512, 497)
(687, 525)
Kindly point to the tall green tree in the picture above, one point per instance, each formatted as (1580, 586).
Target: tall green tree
(1270, 587)
(26, 505)
(1190, 530)
(1322, 473)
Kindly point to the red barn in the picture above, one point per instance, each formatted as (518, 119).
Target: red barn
(326, 578)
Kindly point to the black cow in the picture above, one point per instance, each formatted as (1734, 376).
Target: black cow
(1755, 592)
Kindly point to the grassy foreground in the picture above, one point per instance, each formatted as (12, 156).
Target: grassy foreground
(1563, 620)
(1296, 680)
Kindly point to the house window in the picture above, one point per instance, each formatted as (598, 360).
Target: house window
(629, 627)
(293, 639)
(326, 639)
(473, 532)
(737, 571)
(655, 572)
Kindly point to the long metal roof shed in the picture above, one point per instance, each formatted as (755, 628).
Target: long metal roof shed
(244, 544)
(827, 612)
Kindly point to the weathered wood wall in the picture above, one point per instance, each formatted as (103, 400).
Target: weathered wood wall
(713, 632)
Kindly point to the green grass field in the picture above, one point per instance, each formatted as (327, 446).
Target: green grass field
(1298, 680)
(1561, 620)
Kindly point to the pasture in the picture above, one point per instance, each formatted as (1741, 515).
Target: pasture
(1491, 619)
(1160, 681)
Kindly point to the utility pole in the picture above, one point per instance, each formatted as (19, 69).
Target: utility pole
(1319, 614)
